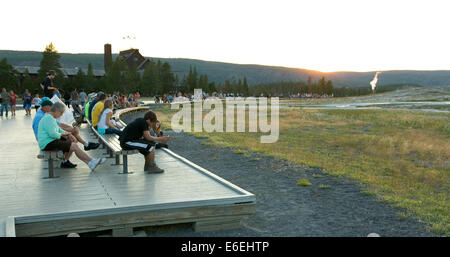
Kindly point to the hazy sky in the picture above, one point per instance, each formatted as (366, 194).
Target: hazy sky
(322, 35)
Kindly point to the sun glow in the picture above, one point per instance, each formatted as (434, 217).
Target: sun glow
(323, 35)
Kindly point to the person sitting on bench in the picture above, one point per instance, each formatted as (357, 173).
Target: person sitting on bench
(45, 108)
(156, 131)
(98, 108)
(52, 138)
(106, 123)
(136, 136)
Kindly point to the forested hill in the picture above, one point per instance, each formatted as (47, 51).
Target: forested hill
(256, 74)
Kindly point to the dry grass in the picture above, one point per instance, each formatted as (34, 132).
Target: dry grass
(402, 157)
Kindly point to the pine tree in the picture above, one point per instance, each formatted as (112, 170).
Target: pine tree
(8, 75)
(90, 79)
(239, 88)
(151, 82)
(167, 78)
(203, 82)
(227, 87)
(192, 79)
(212, 87)
(329, 87)
(100, 85)
(321, 86)
(205, 85)
(245, 87)
(79, 81)
(195, 80)
(234, 86)
(50, 61)
(115, 78)
(133, 80)
(309, 82)
(184, 85)
(27, 83)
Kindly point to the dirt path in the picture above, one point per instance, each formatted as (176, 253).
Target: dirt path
(285, 209)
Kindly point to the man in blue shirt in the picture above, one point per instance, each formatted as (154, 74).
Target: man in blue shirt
(92, 104)
(46, 104)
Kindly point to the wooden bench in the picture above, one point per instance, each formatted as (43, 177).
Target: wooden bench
(111, 141)
(50, 156)
(112, 144)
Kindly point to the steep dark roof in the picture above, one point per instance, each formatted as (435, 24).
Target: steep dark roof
(127, 54)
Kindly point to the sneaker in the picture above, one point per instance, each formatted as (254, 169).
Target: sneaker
(154, 169)
(95, 162)
(73, 164)
(91, 146)
(67, 165)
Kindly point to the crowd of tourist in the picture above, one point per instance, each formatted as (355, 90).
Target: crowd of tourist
(144, 134)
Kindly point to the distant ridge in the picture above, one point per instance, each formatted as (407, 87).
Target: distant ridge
(256, 74)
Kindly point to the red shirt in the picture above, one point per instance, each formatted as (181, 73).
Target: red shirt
(13, 98)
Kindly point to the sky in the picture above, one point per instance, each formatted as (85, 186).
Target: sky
(324, 35)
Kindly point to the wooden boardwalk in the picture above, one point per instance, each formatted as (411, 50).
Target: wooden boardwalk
(80, 200)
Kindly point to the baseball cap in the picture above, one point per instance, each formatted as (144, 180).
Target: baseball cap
(46, 103)
(44, 99)
(92, 95)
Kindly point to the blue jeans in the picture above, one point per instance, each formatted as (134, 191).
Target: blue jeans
(113, 131)
(4, 106)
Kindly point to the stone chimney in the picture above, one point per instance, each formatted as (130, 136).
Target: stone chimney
(107, 56)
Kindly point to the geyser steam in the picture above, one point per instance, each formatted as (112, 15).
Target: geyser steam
(374, 81)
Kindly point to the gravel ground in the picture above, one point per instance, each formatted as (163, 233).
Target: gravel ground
(282, 207)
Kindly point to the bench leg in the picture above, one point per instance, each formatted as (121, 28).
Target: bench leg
(125, 165)
(117, 160)
(109, 153)
(51, 174)
(50, 168)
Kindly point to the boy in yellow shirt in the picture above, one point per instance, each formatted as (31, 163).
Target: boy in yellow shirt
(98, 108)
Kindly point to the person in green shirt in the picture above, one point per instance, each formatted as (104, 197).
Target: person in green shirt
(86, 110)
(86, 107)
(4, 100)
(52, 138)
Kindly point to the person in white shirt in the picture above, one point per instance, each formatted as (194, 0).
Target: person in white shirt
(36, 102)
(106, 123)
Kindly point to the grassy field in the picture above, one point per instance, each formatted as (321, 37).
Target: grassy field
(400, 157)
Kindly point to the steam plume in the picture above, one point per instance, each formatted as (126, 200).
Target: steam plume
(374, 81)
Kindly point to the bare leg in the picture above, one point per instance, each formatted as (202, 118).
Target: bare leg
(68, 154)
(80, 153)
(76, 134)
(150, 158)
